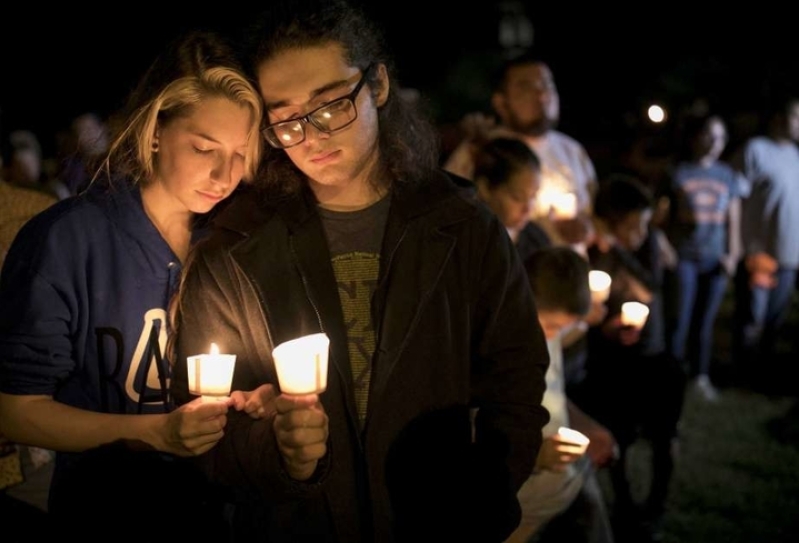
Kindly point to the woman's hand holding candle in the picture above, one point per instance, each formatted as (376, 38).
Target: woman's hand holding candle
(193, 428)
(301, 429)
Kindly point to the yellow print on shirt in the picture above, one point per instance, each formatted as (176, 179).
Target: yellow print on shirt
(356, 275)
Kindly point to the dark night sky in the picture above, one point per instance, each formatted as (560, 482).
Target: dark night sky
(60, 60)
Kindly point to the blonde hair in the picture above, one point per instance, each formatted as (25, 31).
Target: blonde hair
(198, 66)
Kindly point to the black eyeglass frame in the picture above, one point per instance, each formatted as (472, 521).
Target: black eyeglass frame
(273, 139)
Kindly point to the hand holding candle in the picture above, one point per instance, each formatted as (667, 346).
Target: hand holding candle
(559, 450)
(301, 429)
(301, 424)
(211, 375)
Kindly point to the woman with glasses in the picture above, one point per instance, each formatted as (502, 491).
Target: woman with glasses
(354, 231)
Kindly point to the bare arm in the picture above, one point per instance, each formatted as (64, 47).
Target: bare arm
(43, 422)
(734, 243)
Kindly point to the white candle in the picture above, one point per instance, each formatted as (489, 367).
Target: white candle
(599, 282)
(573, 436)
(211, 375)
(301, 364)
(634, 314)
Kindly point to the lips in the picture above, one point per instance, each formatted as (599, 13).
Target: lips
(212, 196)
(324, 157)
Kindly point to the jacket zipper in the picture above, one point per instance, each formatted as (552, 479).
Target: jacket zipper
(305, 284)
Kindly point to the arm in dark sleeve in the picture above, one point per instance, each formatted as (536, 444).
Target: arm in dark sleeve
(211, 308)
(509, 378)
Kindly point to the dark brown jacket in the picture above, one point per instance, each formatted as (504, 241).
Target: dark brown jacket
(456, 329)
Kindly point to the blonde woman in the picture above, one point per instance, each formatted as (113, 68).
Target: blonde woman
(86, 288)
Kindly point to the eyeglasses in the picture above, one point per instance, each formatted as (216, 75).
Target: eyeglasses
(329, 118)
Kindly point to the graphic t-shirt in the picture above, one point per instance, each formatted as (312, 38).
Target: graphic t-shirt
(354, 238)
(703, 196)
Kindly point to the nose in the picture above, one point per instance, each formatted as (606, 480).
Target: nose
(228, 171)
(527, 210)
(312, 133)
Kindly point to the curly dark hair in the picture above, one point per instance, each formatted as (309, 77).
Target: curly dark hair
(409, 147)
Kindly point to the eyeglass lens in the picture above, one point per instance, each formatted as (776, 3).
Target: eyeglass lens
(328, 118)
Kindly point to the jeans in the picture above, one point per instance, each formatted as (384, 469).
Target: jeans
(760, 314)
(701, 286)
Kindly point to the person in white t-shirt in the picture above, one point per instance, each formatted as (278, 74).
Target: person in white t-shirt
(526, 102)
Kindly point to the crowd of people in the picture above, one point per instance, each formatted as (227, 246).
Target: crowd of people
(259, 189)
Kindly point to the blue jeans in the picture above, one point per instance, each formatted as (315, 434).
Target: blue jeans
(701, 286)
(761, 312)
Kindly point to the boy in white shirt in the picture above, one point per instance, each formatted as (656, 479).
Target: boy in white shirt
(564, 470)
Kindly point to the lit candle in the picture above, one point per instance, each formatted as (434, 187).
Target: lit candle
(634, 314)
(599, 282)
(301, 364)
(564, 205)
(211, 375)
(576, 438)
(561, 204)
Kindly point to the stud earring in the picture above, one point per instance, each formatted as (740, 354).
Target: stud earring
(154, 146)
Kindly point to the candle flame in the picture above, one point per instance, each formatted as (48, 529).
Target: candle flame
(214, 348)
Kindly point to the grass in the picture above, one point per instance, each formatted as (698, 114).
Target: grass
(736, 478)
(737, 473)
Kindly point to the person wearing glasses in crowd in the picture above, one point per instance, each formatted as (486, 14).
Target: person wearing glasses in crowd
(84, 301)
(353, 230)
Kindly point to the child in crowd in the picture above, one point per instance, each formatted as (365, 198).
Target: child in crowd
(564, 474)
(629, 248)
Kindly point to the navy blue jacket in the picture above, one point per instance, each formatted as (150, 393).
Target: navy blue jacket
(83, 299)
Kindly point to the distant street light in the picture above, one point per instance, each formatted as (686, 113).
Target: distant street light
(656, 114)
